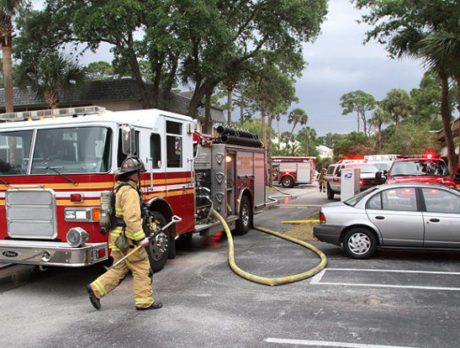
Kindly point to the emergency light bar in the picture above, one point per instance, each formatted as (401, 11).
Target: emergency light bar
(50, 113)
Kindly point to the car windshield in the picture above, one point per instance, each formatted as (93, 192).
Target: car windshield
(355, 199)
(419, 168)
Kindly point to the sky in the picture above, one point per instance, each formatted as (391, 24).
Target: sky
(337, 63)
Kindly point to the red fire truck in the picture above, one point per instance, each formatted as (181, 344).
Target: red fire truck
(291, 171)
(55, 164)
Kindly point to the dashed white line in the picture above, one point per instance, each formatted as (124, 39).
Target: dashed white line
(327, 343)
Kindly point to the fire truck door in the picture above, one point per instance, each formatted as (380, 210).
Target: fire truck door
(230, 176)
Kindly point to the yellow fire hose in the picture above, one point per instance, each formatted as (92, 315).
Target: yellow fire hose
(271, 281)
(298, 221)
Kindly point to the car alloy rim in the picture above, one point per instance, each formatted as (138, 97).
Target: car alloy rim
(245, 215)
(359, 243)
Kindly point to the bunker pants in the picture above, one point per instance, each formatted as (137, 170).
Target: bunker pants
(138, 264)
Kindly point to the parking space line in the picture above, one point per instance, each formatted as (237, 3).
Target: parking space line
(317, 279)
(327, 343)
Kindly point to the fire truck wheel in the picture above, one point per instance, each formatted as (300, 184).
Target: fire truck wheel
(245, 221)
(287, 182)
(330, 193)
(158, 249)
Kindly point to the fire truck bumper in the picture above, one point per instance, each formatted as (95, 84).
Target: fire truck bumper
(52, 254)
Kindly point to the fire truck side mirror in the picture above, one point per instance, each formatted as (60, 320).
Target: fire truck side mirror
(128, 140)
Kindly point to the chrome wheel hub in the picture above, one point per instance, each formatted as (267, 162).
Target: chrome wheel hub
(359, 243)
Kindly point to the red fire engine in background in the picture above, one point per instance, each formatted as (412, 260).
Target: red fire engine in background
(290, 171)
(55, 167)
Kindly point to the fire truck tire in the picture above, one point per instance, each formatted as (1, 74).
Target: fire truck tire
(245, 220)
(158, 250)
(330, 193)
(287, 182)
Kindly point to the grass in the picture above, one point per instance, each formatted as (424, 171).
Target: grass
(303, 232)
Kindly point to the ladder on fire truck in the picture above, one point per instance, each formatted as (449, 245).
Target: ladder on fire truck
(50, 113)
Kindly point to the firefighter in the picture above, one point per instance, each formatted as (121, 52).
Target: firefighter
(127, 221)
(321, 180)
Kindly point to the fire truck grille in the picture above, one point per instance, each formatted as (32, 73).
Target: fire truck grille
(31, 214)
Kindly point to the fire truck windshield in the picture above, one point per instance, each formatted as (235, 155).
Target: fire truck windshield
(67, 150)
(422, 167)
(72, 150)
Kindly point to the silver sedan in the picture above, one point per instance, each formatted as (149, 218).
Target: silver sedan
(407, 216)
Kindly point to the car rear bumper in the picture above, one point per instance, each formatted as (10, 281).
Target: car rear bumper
(328, 233)
(52, 253)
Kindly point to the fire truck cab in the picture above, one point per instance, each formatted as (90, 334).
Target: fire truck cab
(290, 171)
(54, 167)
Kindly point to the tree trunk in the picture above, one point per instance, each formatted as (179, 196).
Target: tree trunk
(200, 91)
(269, 148)
(264, 135)
(140, 83)
(364, 123)
(357, 119)
(166, 92)
(157, 68)
(52, 98)
(307, 142)
(446, 116)
(229, 103)
(278, 118)
(242, 109)
(207, 114)
(7, 74)
(396, 122)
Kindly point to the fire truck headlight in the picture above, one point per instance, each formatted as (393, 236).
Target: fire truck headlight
(76, 237)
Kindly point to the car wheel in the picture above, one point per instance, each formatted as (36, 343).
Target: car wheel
(359, 243)
(330, 193)
(245, 221)
(287, 182)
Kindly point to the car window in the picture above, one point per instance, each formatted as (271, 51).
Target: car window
(440, 201)
(356, 198)
(330, 170)
(400, 199)
(375, 202)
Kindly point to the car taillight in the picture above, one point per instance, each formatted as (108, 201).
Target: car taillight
(322, 218)
(361, 182)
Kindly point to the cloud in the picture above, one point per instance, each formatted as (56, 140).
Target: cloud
(339, 63)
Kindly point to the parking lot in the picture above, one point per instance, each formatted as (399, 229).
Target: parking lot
(395, 299)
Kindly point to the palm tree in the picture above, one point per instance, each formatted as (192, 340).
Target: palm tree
(379, 118)
(398, 104)
(308, 134)
(8, 8)
(47, 76)
(286, 139)
(441, 52)
(297, 116)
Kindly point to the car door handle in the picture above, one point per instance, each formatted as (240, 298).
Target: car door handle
(434, 220)
(380, 217)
